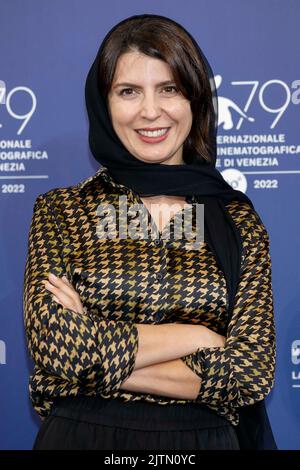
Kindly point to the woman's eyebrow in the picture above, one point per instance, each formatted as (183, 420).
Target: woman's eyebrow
(166, 82)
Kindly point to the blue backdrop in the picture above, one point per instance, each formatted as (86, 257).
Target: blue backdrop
(46, 51)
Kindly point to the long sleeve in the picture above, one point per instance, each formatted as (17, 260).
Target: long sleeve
(242, 372)
(87, 350)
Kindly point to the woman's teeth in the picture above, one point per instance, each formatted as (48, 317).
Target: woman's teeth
(156, 133)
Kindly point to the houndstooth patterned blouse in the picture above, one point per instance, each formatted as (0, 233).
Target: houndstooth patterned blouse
(124, 281)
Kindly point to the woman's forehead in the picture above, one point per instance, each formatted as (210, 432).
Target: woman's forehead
(130, 62)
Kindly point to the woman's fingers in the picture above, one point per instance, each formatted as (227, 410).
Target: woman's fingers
(58, 291)
(66, 281)
(64, 293)
(58, 300)
(59, 288)
(60, 283)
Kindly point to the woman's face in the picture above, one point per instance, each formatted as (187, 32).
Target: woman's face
(139, 101)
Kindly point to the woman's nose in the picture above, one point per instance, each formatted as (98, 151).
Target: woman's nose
(150, 106)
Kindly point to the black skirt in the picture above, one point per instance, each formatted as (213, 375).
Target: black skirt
(94, 423)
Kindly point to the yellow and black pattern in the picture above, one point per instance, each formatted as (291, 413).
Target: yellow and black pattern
(123, 281)
(242, 372)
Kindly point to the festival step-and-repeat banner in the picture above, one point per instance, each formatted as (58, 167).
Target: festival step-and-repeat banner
(46, 51)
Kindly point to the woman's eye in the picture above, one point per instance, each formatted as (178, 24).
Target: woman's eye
(171, 89)
(126, 89)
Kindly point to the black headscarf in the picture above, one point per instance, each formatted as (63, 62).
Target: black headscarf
(198, 178)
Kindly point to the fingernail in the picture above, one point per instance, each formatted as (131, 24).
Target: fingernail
(52, 276)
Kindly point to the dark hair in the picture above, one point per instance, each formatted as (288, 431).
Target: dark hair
(162, 38)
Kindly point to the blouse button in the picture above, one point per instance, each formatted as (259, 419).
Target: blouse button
(159, 276)
(157, 242)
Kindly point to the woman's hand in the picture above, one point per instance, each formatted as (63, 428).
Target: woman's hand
(209, 338)
(64, 293)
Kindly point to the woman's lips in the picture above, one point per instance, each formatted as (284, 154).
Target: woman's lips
(153, 140)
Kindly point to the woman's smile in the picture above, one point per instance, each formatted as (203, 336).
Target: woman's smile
(154, 136)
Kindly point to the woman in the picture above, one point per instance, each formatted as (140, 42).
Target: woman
(150, 342)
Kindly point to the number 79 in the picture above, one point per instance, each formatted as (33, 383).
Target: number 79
(6, 100)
